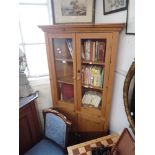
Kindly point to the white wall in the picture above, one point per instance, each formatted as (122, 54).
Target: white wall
(44, 100)
(125, 56)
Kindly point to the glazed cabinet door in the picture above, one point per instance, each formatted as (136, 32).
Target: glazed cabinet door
(93, 64)
(62, 68)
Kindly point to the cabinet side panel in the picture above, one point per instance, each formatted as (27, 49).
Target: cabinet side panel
(106, 74)
(111, 76)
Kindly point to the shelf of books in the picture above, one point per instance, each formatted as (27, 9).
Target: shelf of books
(92, 71)
(64, 69)
(92, 85)
(93, 50)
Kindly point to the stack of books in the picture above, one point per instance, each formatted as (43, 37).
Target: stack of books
(93, 50)
(92, 75)
(92, 98)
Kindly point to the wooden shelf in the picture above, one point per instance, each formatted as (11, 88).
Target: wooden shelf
(67, 101)
(97, 112)
(92, 87)
(90, 106)
(93, 63)
(64, 59)
(66, 80)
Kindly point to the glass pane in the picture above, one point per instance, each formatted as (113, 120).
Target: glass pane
(20, 37)
(30, 18)
(36, 59)
(64, 69)
(93, 53)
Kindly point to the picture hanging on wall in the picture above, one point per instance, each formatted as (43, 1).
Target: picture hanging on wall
(73, 11)
(112, 6)
(130, 20)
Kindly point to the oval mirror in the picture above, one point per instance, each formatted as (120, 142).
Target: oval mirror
(129, 96)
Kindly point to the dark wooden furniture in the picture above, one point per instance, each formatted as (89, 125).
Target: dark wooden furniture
(29, 125)
(71, 50)
(125, 144)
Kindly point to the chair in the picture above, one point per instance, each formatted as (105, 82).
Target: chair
(56, 128)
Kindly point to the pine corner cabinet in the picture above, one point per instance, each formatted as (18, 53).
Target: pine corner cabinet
(81, 61)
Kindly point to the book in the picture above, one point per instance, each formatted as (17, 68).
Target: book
(67, 91)
(91, 51)
(83, 73)
(94, 48)
(96, 51)
(92, 98)
(101, 51)
(87, 49)
(69, 45)
(102, 78)
(98, 77)
(83, 53)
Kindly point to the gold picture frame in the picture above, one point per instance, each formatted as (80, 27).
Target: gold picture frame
(130, 75)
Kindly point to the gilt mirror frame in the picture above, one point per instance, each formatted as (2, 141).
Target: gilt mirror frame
(128, 79)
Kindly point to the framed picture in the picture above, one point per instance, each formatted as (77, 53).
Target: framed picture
(130, 20)
(111, 6)
(73, 11)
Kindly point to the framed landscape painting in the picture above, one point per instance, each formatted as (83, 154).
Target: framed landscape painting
(112, 6)
(73, 11)
(130, 21)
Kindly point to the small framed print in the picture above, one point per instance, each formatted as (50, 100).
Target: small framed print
(73, 11)
(112, 6)
(130, 20)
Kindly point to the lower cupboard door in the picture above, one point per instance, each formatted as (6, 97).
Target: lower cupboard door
(89, 123)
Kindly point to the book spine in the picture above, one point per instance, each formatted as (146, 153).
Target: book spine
(93, 58)
(69, 45)
(96, 51)
(91, 51)
(100, 51)
(83, 52)
(104, 51)
(102, 77)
